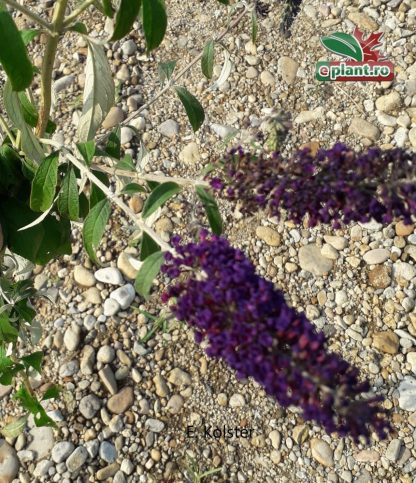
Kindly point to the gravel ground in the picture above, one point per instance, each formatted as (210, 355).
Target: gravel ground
(129, 406)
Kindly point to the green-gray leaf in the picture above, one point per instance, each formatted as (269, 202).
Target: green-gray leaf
(99, 91)
(28, 35)
(132, 188)
(16, 427)
(30, 145)
(13, 53)
(159, 196)
(94, 226)
(147, 273)
(211, 209)
(343, 44)
(147, 246)
(155, 22)
(126, 15)
(207, 60)
(68, 201)
(193, 108)
(87, 151)
(166, 69)
(44, 183)
(254, 27)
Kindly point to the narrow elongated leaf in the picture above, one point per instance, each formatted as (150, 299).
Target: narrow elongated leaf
(68, 201)
(113, 147)
(108, 9)
(96, 194)
(13, 429)
(343, 44)
(13, 53)
(39, 244)
(225, 71)
(7, 332)
(33, 360)
(207, 60)
(159, 196)
(44, 183)
(28, 35)
(98, 92)
(94, 226)
(31, 115)
(52, 392)
(30, 145)
(31, 404)
(126, 15)
(147, 273)
(147, 246)
(155, 22)
(193, 108)
(225, 2)
(166, 69)
(87, 151)
(211, 209)
(79, 27)
(132, 188)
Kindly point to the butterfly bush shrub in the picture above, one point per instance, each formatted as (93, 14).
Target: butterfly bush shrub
(247, 323)
(337, 185)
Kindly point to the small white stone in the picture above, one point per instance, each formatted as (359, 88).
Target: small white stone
(110, 307)
(110, 275)
(237, 401)
(407, 394)
(376, 256)
(169, 128)
(126, 135)
(129, 48)
(124, 295)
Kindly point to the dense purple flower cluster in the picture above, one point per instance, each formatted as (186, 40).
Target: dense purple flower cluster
(336, 185)
(248, 324)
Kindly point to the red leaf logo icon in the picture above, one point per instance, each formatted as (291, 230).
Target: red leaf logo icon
(370, 45)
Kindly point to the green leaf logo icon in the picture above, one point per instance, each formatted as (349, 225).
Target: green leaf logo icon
(343, 44)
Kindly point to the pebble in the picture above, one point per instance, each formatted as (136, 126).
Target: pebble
(108, 452)
(379, 277)
(154, 425)
(124, 295)
(393, 450)
(169, 128)
(338, 242)
(268, 235)
(329, 251)
(407, 393)
(386, 341)
(287, 68)
(276, 438)
(72, 337)
(129, 48)
(61, 451)
(178, 377)
(83, 277)
(404, 270)
(376, 256)
(190, 154)
(114, 117)
(9, 462)
(77, 458)
(404, 230)
(175, 404)
(42, 441)
(92, 296)
(162, 389)
(267, 78)
(367, 456)
(388, 102)
(42, 468)
(412, 137)
(63, 83)
(108, 379)
(309, 116)
(237, 401)
(128, 265)
(87, 360)
(106, 354)
(89, 405)
(411, 359)
(110, 307)
(363, 21)
(110, 275)
(126, 135)
(120, 402)
(107, 472)
(322, 452)
(364, 129)
(311, 260)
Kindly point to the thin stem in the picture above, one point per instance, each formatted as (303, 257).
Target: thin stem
(6, 129)
(77, 12)
(47, 67)
(113, 198)
(160, 178)
(30, 14)
(180, 74)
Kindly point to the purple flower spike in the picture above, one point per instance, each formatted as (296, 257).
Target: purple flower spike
(248, 324)
(336, 186)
